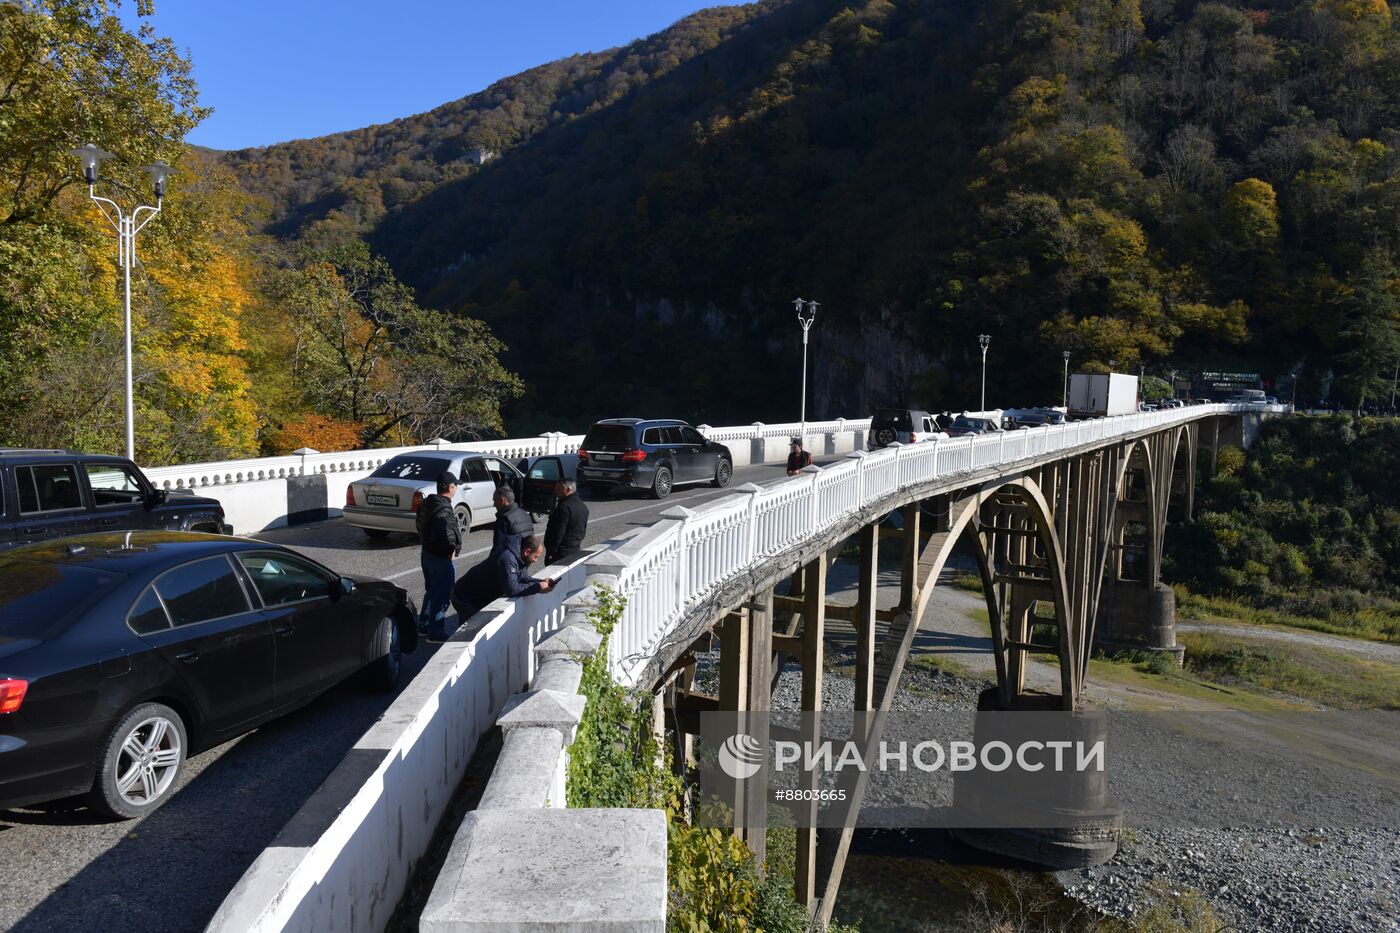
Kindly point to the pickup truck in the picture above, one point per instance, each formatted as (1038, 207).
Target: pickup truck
(53, 493)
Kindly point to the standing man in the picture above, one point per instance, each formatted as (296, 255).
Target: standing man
(568, 523)
(441, 539)
(506, 573)
(512, 522)
(797, 457)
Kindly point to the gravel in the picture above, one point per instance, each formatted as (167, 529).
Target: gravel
(1256, 880)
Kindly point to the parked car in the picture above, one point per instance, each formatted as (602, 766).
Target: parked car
(388, 499)
(967, 425)
(901, 425)
(650, 454)
(121, 654)
(1031, 417)
(49, 493)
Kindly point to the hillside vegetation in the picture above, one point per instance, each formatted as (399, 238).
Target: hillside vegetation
(1139, 181)
(1175, 185)
(1303, 529)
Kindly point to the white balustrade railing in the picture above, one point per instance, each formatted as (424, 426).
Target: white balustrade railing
(691, 554)
(228, 472)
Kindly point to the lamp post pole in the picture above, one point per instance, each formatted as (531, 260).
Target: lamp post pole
(984, 340)
(127, 226)
(806, 314)
(1065, 403)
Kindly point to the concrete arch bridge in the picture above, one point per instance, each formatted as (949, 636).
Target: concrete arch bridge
(1066, 524)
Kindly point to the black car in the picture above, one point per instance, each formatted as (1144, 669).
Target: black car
(50, 493)
(122, 654)
(650, 454)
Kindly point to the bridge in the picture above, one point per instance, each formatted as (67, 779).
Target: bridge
(1066, 524)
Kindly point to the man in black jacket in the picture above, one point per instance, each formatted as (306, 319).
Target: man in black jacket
(503, 574)
(512, 522)
(568, 523)
(441, 539)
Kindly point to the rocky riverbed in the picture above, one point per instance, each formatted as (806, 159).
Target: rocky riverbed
(1274, 880)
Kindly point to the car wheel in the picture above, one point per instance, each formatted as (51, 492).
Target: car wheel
(661, 484)
(885, 437)
(384, 670)
(724, 471)
(140, 762)
(464, 521)
(377, 534)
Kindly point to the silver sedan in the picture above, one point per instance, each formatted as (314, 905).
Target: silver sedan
(388, 499)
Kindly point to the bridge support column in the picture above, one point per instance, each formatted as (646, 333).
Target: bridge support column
(866, 608)
(813, 633)
(760, 676)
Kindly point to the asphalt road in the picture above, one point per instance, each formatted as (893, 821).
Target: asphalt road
(67, 869)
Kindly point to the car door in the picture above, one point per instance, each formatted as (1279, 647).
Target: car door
(479, 489)
(539, 484)
(50, 500)
(7, 509)
(318, 641)
(699, 463)
(503, 474)
(118, 496)
(198, 617)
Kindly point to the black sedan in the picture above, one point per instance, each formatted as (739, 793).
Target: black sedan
(123, 653)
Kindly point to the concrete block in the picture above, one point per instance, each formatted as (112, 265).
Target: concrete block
(524, 775)
(553, 871)
(559, 673)
(569, 642)
(543, 709)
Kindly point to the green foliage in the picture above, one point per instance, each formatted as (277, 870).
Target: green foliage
(1306, 525)
(1151, 388)
(363, 351)
(616, 761)
(1337, 680)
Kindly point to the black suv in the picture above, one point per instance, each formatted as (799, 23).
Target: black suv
(51, 493)
(652, 454)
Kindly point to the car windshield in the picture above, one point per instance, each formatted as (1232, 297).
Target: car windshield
(414, 466)
(36, 597)
(608, 437)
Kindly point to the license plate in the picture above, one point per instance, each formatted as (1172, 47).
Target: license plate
(372, 499)
(604, 458)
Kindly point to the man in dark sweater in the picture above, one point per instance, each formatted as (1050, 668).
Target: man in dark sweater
(568, 523)
(512, 522)
(503, 574)
(441, 539)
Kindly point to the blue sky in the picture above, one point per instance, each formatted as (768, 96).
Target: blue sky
(275, 70)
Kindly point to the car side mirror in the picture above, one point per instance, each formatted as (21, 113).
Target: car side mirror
(345, 587)
(156, 498)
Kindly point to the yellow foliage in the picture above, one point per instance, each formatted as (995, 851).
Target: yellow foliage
(1354, 11)
(319, 432)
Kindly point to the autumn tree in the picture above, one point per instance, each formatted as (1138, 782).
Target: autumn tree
(366, 353)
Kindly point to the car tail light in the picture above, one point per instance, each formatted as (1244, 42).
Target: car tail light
(417, 500)
(582, 455)
(12, 694)
(634, 456)
(349, 495)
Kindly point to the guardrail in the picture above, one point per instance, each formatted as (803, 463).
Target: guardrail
(686, 556)
(268, 492)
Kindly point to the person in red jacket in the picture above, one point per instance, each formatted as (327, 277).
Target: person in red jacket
(797, 457)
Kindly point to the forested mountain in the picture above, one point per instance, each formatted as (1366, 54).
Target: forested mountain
(1141, 182)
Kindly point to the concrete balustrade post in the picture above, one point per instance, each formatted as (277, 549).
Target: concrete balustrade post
(440, 442)
(704, 429)
(682, 515)
(303, 453)
(813, 518)
(758, 444)
(859, 456)
(750, 520)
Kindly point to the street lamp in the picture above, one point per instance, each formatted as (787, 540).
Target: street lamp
(984, 341)
(806, 314)
(127, 226)
(1065, 354)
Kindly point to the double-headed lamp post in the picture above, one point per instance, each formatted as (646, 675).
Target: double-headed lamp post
(127, 226)
(806, 314)
(984, 341)
(1065, 354)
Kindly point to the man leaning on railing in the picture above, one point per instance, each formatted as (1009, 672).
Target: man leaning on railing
(505, 573)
